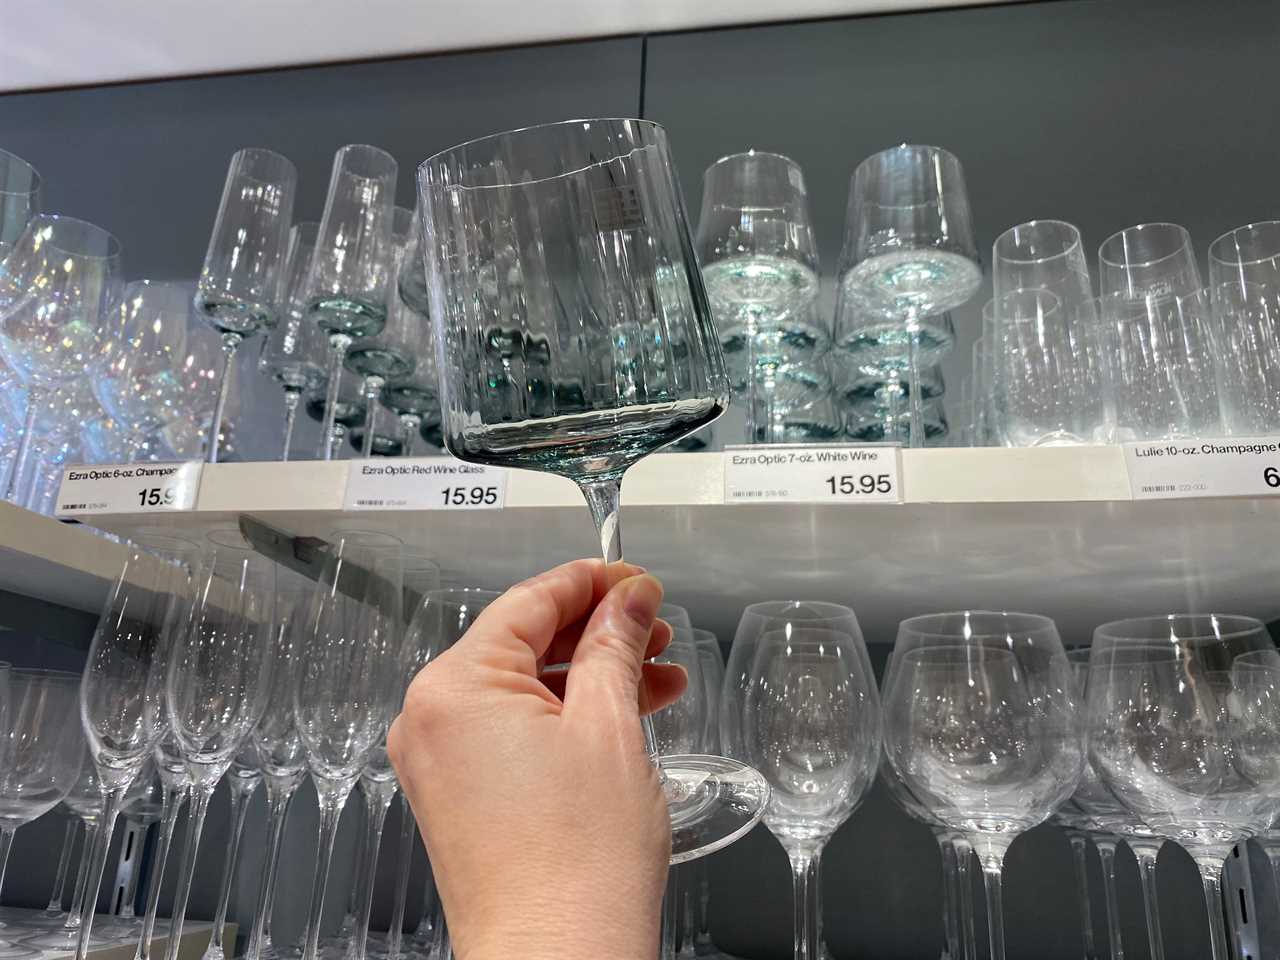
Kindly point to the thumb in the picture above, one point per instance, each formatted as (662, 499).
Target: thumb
(604, 675)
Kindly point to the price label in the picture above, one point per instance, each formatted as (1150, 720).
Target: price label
(424, 483)
(1177, 469)
(128, 488)
(798, 473)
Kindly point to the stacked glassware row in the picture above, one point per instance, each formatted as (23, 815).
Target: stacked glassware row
(1165, 729)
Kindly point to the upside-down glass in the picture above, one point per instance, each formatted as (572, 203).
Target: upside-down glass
(354, 259)
(414, 399)
(42, 752)
(56, 284)
(981, 726)
(348, 667)
(1169, 738)
(19, 198)
(122, 691)
(239, 290)
(1246, 351)
(870, 393)
(1159, 367)
(216, 688)
(293, 350)
(909, 257)
(575, 337)
(810, 723)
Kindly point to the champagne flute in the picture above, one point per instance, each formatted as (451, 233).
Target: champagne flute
(575, 337)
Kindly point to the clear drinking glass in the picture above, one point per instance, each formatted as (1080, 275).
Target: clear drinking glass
(575, 337)
(981, 726)
(354, 258)
(348, 667)
(293, 350)
(1246, 352)
(1151, 260)
(42, 752)
(810, 723)
(217, 682)
(56, 283)
(1169, 737)
(909, 257)
(1042, 255)
(1159, 366)
(1247, 255)
(140, 354)
(20, 189)
(239, 290)
(122, 690)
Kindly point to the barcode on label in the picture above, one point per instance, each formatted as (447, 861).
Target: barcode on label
(1159, 488)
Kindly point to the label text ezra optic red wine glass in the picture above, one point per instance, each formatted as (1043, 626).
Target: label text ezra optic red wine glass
(575, 337)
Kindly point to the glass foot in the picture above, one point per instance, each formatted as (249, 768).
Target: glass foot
(47, 919)
(63, 940)
(712, 802)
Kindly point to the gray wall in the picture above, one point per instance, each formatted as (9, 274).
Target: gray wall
(1103, 112)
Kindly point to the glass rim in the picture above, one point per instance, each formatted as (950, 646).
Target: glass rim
(114, 247)
(752, 152)
(165, 545)
(775, 610)
(443, 595)
(1028, 623)
(1243, 625)
(913, 148)
(1040, 293)
(520, 131)
(37, 180)
(1077, 242)
(62, 676)
(1213, 246)
(1182, 232)
(956, 654)
(265, 153)
(228, 538)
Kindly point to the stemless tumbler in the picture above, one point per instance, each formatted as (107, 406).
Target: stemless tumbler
(1246, 351)
(1146, 261)
(1247, 255)
(1042, 255)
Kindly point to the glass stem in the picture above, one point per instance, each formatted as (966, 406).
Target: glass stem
(670, 901)
(995, 909)
(688, 911)
(291, 400)
(950, 900)
(409, 424)
(1272, 849)
(337, 354)
(170, 805)
(807, 912)
(64, 863)
(229, 343)
(6, 843)
(1079, 850)
(200, 796)
(1107, 855)
(279, 796)
(35, 397)
(425, 928)
(336, 436)
(353, 890)
(1212, 881)
(395, 935)
(100, 845)
(370, 386)
(893, 406)
(377, 800)
(72, 923)
(332, 796)
(969, 937)
(239, 811)
(704, 903)
(915, 398)
(1146, 856)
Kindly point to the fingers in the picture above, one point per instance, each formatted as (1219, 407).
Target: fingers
(525, 619)
(605, 671)
(566, 641)
(661, 685)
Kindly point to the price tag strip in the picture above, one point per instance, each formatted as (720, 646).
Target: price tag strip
(803, 473)
(128, 488)
(1177, 469)
(424, 483)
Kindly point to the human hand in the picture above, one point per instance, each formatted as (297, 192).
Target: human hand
(542, 814)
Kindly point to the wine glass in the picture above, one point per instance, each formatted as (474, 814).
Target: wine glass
(57, 282)
(141, 348)
(280, 755)
(42, 754)
(122, 690)
(810, 722)
(909, 257)
(980, 725)
(216, 687)
(1170, 736)
(347, 670)
(238, 293)
(354, 258)
(575, 337)
(293, 350)
(243, 779)
(20, 195)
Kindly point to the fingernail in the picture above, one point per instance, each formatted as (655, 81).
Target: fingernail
(644, 597)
